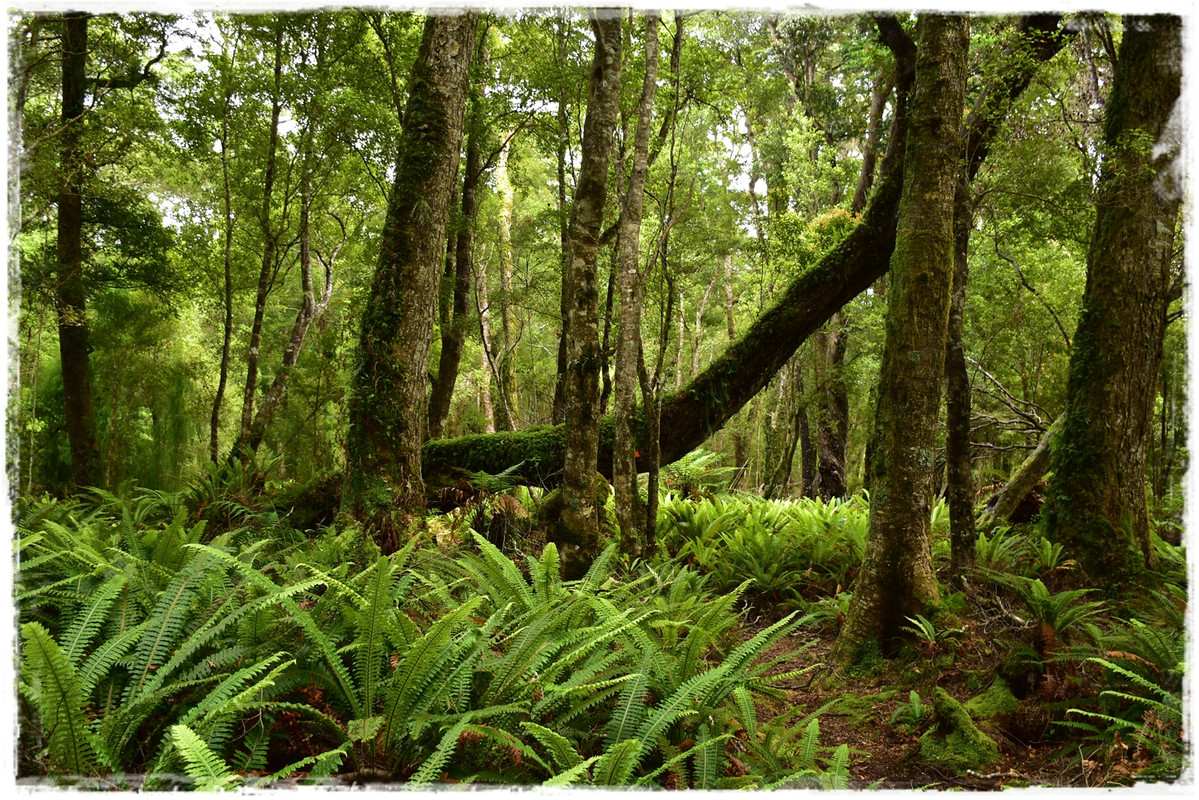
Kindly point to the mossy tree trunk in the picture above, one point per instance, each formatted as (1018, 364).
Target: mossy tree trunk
(70, 301)
(577, 533)
(629, 288)
(1097, 505)
(383, 486)
(897, 578)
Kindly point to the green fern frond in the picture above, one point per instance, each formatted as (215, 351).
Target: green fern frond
(564, 754)
(576, 774)
(630, 707)
(59, 701)
(616, 765)
(435, 764)
(414, 667)
(204, 766)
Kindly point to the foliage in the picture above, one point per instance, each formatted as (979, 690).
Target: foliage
(146, 650)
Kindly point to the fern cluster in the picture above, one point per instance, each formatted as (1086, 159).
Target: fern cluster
(148, 648)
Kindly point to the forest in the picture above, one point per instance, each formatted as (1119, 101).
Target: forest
(574, 397)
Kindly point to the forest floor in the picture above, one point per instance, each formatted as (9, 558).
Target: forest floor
(886, 755)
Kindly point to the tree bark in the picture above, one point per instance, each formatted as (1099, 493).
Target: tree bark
(1097, 504)
(629, 288)
(70, 301)
(897, 578)
(577, 533)
(453, 331)
(384, 487)
(959, 470)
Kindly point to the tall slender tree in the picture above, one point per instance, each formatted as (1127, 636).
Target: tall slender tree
(577, 532)
(629, 287)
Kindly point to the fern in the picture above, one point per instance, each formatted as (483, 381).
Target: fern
(203, 765)
(616, 765)
(59, 701)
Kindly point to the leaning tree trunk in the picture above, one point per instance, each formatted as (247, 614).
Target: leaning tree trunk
(1097, 506)
(897, 577)
(698, 410)
(70, 302)
(1001, 505)
(383, 486)
(577, 532)
(629, 287)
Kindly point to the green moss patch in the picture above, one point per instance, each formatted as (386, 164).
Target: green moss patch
(955, 742)
(997, 699)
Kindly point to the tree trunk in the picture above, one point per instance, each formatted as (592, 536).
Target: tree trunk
(227, 338)
(739, 462)
(384, 487)
(577, 533)
(509, 399)
(490, 373)
(1097, 505)
(70, 302)
(558, 414)
(629, 287)
(897, 579)
(453, 331)
(453, 305)
(832, 428)
(269, 247)
(959, 470)
(878, 101)
(310, 309)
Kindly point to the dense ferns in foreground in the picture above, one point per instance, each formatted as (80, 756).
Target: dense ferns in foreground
(155, 655)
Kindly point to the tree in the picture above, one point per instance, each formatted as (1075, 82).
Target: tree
(577, 532)
(629, 288)
(69, 301)
(1097, 504)
(1036, 35)
(896, 579)
(383, 486)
